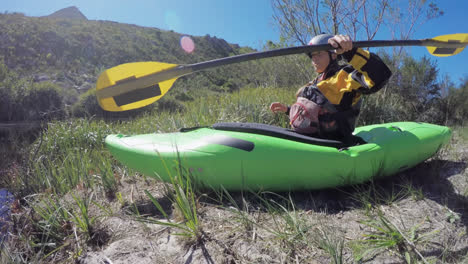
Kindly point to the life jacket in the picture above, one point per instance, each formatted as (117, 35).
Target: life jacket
(313, 114)
(336, 95)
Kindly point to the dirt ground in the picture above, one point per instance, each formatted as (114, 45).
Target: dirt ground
(428, 204)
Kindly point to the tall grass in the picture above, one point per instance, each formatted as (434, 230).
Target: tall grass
(71, 155)
(326, 238)
(385, 235)
(184, 199)
(53, 225)
(288, 225)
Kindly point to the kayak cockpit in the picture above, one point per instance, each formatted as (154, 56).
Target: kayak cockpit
(279, 132)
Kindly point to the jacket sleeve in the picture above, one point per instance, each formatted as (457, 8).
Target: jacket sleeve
(367, 69)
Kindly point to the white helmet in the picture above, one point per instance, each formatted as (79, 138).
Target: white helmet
(320, 39)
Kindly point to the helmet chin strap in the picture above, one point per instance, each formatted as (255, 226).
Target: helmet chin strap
(332, 61)
(330, 56)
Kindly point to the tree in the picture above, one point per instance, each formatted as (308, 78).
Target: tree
(298, 20)
(402, 23)
(457, 103)
(417, 80)
(413, 91)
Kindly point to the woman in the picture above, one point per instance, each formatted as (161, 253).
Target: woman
(335, 95)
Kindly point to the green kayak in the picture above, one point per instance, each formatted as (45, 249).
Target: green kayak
(249, 156)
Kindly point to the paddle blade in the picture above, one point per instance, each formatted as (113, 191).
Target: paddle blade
(452, 38)
(131, 90)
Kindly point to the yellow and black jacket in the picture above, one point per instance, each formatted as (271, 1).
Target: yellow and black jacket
(343, 85)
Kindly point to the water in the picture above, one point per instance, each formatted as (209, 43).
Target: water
(6, 198)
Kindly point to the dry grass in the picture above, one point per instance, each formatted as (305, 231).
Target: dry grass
(90, 209)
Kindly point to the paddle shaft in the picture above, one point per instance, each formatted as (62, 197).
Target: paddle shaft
(122, 87)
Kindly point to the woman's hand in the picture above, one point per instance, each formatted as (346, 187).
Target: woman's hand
(278, 107)
(342, 43)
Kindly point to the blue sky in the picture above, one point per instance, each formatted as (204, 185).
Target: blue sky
(244, 22)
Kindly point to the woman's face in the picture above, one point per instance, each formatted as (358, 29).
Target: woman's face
(320, 60)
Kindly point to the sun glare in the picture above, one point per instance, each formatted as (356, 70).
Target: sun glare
(187, 44)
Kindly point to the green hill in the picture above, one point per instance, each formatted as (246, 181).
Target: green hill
(68, 52)
(73, 51)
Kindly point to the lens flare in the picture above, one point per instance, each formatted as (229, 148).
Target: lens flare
(172, 20)
(187, 44)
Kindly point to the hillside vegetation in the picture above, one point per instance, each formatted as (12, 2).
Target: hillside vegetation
(67, 55)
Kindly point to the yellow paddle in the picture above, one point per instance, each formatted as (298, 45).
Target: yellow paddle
(134, 85)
